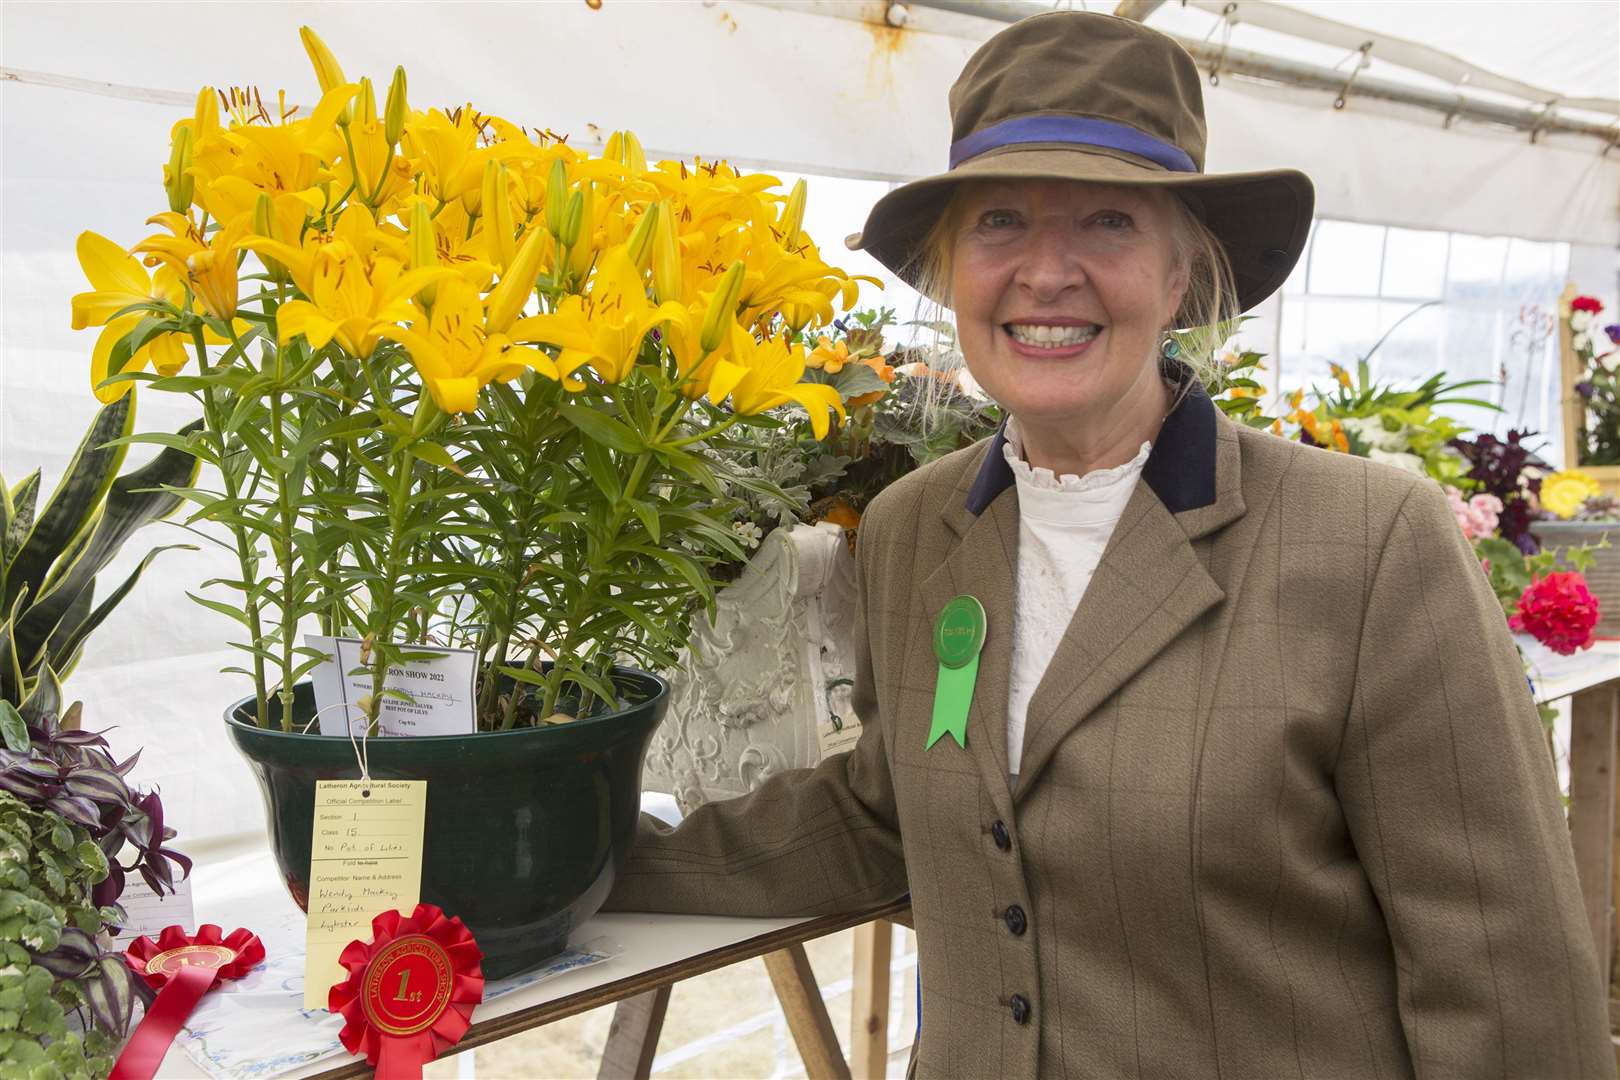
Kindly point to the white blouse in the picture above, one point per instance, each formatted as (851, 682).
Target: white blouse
(1064, 525)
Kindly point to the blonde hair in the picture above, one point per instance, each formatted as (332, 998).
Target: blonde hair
(1210, 300)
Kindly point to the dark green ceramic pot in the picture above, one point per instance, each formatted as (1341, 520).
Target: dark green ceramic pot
(526, 830)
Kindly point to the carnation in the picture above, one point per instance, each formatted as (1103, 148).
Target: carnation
(1559, 611)
(1589, 304)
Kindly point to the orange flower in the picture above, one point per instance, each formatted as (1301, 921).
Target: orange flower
(828, 357)
(842, 514)
(885, 372)
(1340, 443)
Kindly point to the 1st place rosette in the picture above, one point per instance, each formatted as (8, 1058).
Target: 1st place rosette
(410, 992)
(182, 968)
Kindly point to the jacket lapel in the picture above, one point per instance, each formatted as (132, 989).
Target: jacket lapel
(983, 564)
(1150, 586)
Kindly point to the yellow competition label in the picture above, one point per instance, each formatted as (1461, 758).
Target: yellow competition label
(365, 857)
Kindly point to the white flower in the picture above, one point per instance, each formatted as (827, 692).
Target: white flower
(1408, 462)
(1579, 320)
(1371, 431)
(749, 533)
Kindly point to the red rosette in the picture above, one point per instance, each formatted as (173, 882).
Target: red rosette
(232, 955)
(410, 992)
(182, 968)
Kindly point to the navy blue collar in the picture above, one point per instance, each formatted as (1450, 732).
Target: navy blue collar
(1180, 468)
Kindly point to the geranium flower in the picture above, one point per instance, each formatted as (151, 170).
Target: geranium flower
(1478, 516)
(1586, 303)
(1559, 611)
(1563, 492)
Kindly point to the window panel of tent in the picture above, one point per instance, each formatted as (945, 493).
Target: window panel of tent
(1345, 259)
(1415, 264)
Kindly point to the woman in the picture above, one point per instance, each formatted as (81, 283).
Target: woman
(1200, 752)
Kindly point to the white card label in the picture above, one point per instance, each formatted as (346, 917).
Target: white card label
(441, 690)
(150, 914)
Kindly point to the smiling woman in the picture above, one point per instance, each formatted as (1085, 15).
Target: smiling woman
(1243, 777)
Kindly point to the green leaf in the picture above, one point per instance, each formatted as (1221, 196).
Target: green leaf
(601, 428)
(75, 502)
(224, 609)
(434, 454)
(13, 729)
(600, 466)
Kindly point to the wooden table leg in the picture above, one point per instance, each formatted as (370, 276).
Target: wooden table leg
(1592, 780)
(869, 1009)
(806, 1014)
(633, 1037)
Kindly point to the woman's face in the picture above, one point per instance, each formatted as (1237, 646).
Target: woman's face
(1062, 291)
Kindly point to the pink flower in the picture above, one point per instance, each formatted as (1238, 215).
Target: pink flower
(1477, 517)
(1559, 611)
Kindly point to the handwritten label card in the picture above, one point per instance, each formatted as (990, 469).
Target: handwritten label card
(149, 914)
(366, 858)
(441, 690)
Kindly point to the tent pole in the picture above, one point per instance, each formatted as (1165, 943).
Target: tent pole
(1531, 119)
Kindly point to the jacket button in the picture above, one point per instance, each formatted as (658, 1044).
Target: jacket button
(1020, 1008)
(998, 833)
(1015, 920)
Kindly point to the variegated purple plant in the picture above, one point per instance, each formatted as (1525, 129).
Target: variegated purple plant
(48, 763)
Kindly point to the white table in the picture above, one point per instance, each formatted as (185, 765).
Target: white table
(655, 951)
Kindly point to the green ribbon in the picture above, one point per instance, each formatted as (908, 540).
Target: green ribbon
(953, 694)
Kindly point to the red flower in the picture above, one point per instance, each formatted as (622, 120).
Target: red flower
(1558, 611)
(1586, 303)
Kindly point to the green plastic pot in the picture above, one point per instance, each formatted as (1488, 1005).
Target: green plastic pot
(526, 830)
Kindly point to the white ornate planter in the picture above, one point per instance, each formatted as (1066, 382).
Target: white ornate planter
(766, 687)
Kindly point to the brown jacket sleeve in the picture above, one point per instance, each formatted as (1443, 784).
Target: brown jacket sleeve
(1449, 791)
(807, 842)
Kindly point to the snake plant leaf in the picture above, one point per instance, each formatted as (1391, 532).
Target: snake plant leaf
(65, 650)
(73, 504)
(11, 674)
(46, 698)
(20, 517)
(135, 499)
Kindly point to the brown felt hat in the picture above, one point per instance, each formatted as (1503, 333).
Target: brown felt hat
(1082, 96)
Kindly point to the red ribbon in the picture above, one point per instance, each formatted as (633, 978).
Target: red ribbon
(182, 968)
(410, 992)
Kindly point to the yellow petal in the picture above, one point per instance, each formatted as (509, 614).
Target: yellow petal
(455, 395)
(724, 379)
(297, 317)
(168, 353)
(101, 359)
(110, 268)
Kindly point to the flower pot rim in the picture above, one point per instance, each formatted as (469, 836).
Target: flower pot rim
(1593, 523)
(661, 684)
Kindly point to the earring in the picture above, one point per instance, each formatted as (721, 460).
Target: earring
(1170, 348)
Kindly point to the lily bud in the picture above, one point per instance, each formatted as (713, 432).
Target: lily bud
(506, 302)
(722, 313)
(623, 146)
(205, 120)
(368, 103)
(640, 242)
(365, 648)
(394, 111)
(497, 210)
(666, 257)
(327, 71)
(423, 247)
(573, 217)
(178, 181)
(792, 219)
(263, 225)
(556, 197)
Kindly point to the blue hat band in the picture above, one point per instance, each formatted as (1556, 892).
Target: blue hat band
(1079, 130)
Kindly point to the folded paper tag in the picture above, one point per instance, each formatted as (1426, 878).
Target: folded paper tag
(148, 913)
(366, 856)
(440, 686)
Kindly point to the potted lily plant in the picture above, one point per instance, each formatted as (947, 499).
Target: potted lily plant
(459, 383)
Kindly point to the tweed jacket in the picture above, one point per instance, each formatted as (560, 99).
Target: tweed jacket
(1285, 807)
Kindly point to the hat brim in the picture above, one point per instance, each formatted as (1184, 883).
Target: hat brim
(1263, 219)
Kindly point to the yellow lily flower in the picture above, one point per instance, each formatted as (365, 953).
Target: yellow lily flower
(119, 280)
(208, 267)
(455, 352)
(773, 369)
(356, 236)
(352, 304)
(445, 152)
(284, 158)
(702, 374)
(605, 329)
